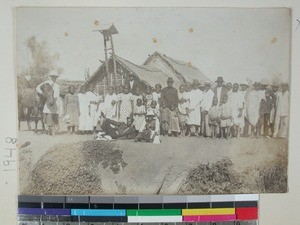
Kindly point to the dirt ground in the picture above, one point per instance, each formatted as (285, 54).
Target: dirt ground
(78, 164)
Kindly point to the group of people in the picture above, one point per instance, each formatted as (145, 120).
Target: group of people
(197, 109)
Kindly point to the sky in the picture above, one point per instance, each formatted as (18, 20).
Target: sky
(234, 43)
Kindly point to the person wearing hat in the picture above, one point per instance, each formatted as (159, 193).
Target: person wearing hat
(220, 90)
(282, 114)
(208, 97)
(194, 112)
(169, 94)
(51, 107)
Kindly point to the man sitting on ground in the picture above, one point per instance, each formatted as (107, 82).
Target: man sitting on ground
(119, 130)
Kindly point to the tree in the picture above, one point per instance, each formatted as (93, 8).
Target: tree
(41, 62)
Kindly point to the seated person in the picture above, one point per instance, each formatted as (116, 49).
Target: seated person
(119, 130)
(149, 129)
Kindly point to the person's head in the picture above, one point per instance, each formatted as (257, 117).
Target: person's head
(82, 89)
(267, 93)
(256, 86)
(148, 90)
(202, 86)
(137, 91)
(153, 104)
(285, 87)
(139, 102)
(220, 81)
(188, 87)
(91, 87)
(229, 86)
(207, 86)
(119, 89)
(170, 82)
(131, 77)
(163, 104)
(72, 89)
(129, 121)
(181, 88)
(224, 99)
(158, 88)
(235, 87)
(275, 88)
(172, 107)
(149, 118)
(244, 86)
(195, 84)
(110, 90)
(264, 84)
(53, 77)
(215, 101)
(126, 89)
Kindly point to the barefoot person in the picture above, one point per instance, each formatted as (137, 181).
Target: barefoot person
(72, 112)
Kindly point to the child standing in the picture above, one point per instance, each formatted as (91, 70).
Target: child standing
(225, 115)
(173, 121)
(157, 94)
(182, 106)
(148, 97)
(214, 117)
(139, 113)
(72, 110)
(164, 118)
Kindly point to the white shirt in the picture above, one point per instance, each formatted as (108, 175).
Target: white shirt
(156, 97)
(54, 86)
(109, 99)
(283, 104)
(83, 104)
(131, 83)
(219, 90)
(196, 97)
(208, 97)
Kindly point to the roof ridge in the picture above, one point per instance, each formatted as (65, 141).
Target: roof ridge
(141, 67)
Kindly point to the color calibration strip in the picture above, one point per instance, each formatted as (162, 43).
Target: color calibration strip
(96, 210)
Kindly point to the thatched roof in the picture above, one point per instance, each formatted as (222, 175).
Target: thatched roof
(157, 68)
(184, 71)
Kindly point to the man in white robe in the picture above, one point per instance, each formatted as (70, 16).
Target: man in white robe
(208, 97)
(83, 108)
(253, 104)
(110, 101)
(93, 101)
(195, 99)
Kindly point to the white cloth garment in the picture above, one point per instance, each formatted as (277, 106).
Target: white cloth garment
(84, 110)
(196, 97)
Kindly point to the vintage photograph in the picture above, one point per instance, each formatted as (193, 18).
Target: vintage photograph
(156, 101)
